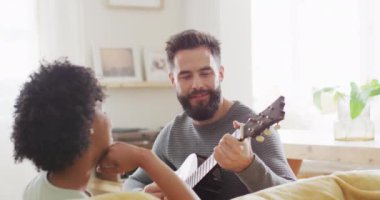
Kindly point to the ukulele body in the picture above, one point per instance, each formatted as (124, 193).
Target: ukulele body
(210, 185)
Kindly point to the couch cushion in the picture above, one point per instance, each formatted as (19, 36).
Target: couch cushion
(124, 196)
(363, 185)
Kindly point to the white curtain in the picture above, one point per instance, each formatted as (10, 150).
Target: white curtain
(19, 52)
(61, 30)
(18, 48)
(299, 45)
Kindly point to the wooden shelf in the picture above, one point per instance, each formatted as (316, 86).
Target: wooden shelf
(136, 84)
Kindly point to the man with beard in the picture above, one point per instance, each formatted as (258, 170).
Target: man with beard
(196, 73)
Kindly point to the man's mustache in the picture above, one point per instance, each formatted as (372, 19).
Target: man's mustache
(197, 92)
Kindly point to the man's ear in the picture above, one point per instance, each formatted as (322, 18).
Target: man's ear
(221, 73)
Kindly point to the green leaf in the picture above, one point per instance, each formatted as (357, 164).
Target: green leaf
(317, 96)
(358, 100)
(337, 96)
(328, 89)
(375, 92)
(374, 82)
(373, 87)
(358, 97)
(317, 99)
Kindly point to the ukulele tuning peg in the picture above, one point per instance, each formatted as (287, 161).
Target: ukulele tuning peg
(260, 138)
(277, 126)
(267, 132)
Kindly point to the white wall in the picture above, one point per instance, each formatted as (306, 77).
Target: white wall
(139, 107)
(230, 22)
(94, 22)
(142, 107)
(202, 15)
(235, 32)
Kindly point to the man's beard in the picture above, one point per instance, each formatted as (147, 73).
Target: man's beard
(201, 111)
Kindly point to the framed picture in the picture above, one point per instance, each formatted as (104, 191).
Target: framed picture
(137, 3)
(117, 64)
(156, 66)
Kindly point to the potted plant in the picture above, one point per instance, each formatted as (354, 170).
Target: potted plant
(356, 126)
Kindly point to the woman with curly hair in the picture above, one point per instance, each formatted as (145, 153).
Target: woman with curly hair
(60, 126)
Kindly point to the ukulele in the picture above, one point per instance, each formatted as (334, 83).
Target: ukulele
(257, 127)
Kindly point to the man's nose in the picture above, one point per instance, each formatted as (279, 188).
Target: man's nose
(197, 82)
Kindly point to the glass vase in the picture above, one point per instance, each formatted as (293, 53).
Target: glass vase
(359, 129)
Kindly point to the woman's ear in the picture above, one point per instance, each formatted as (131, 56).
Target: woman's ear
(171, 77)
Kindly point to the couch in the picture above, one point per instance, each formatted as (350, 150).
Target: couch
(349, 185)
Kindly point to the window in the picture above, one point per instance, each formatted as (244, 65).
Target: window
(301, 45)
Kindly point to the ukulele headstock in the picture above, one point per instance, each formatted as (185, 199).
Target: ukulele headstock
(256, 125)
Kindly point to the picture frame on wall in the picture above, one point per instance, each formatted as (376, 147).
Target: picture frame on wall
(117, 64)
(156, 66)
(155, 4)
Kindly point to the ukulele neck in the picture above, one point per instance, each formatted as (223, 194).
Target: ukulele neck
(207, 165)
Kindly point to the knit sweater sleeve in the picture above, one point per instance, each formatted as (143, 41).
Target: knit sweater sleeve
(269, 168)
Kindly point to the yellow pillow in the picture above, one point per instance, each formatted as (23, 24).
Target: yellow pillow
(351, 185)
(124, 196)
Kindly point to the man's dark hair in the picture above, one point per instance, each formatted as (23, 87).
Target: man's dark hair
(190, 39)
(53, 115)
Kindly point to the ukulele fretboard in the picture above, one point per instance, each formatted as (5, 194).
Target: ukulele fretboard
(206, 166)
